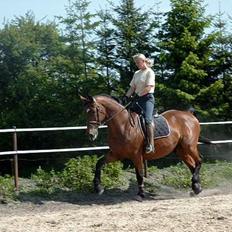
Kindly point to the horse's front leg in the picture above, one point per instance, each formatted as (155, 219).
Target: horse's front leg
(139, 176)
(97, 177)
(110, 157)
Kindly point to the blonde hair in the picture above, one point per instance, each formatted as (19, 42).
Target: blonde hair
(148, 61)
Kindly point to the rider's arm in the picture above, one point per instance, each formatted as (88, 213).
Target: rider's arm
(130, 91)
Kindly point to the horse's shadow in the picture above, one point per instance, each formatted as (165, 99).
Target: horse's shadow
(109, 197)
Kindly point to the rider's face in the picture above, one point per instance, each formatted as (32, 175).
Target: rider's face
(140, 63)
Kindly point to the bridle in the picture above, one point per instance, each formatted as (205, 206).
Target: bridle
(96, 112)
(99, 110)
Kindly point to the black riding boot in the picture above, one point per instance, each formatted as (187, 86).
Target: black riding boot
(150, 138)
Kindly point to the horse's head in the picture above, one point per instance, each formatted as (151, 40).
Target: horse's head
(95, 115)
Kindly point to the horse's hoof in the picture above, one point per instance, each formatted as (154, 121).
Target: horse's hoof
(138, 198)
(192, 194)
(196, 187)
(99, 190)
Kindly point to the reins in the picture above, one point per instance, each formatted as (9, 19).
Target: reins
(114, 115)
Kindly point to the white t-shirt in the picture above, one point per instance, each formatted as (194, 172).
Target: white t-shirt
(141, 79)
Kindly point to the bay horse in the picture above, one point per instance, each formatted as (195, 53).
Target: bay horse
(126, 139)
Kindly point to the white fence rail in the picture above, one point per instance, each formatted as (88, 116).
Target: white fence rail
(44, 129)
(53, 150)
(215, 123)
(19, 130)
(16, 152)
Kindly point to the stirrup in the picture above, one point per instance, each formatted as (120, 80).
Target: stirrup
(149, 148)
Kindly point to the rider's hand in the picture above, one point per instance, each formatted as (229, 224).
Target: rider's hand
(134, 98)
(125, 100)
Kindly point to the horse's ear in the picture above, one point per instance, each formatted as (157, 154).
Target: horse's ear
(88, 99)
(84, 99)
(91, 99)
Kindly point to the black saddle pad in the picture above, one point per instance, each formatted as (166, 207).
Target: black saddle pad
(162, 128)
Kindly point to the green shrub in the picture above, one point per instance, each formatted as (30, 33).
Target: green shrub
(47, 181)
(78, 176)
(176, 176)
(78, 173)
(216, 173)
(7, 188)
(112, 175)
(179, 176)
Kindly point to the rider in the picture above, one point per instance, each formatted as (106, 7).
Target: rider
(143, 85)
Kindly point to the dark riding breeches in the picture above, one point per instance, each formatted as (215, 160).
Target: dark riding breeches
(145, 105)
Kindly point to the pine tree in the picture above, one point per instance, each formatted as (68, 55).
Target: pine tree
(216, 98)
(79, 33)
(185, 49)
(105, 51)
(133, 33)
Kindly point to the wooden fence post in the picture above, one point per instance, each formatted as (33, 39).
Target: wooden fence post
(16, 172)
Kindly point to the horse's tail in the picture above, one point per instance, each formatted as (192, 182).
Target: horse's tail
(201, 139)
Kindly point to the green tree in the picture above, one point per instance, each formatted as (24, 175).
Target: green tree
(185, 51)
(36, 90)
(79, 33)
(216, 98)
(106, 51)
(29, 53)
(134, 32)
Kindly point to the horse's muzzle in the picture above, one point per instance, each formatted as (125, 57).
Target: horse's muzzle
(93, 133)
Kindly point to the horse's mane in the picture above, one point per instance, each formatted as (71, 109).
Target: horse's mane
(117, 99)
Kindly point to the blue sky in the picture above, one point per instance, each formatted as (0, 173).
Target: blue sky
(47, 9)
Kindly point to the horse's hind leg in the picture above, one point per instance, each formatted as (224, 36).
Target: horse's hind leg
(139, 169)
(192, 159)
(196, 186)
(139, 177)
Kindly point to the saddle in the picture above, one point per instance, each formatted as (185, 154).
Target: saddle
(161, 125)
(161, 129)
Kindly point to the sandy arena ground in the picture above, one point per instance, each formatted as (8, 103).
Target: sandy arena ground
(210, 211)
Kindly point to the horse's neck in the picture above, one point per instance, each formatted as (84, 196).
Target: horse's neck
(117, 118)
